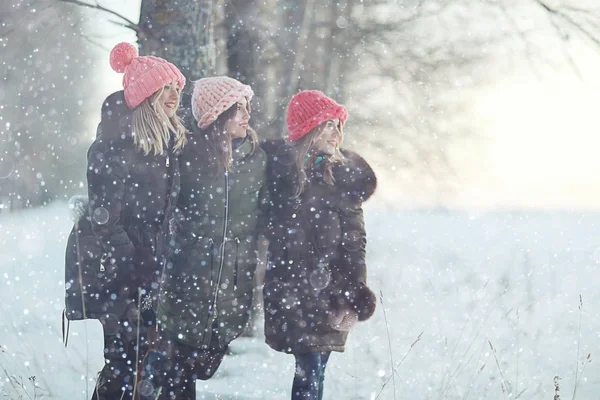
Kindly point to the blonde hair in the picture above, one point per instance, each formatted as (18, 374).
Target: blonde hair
(218, 140)
(303, 148)
(152, 127)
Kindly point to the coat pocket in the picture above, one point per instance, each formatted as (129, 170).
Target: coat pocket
(190, 269)
(88, 284)
(242, 260)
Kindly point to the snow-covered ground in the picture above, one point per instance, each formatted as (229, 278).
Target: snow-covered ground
(460, 282)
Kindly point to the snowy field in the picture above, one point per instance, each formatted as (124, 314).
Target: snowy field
(453, 286)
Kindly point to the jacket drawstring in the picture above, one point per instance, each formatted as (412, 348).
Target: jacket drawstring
(212, 250)
(65, 335)
(235, 271)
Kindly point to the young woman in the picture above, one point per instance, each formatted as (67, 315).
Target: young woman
(115, 252)
(206, 292)
(315, 285)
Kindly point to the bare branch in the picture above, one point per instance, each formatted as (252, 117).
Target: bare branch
(8, 32)
(565, 49)
(128, 23)
(121, 24)
(522, 36)
(95, 43)
(569, 19)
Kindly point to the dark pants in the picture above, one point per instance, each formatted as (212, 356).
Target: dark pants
(125, 327)
(309, 376)
(122, 356)
(173, 367)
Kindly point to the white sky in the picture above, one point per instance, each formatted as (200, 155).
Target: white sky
(541, 141)
(538, 135)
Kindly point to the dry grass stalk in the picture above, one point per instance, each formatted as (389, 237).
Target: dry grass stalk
(390, 346)
(556, 388)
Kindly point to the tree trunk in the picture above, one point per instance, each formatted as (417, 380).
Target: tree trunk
(330, 62)
(340, 76)
(244, 52)
(297, 17)
(180, 32)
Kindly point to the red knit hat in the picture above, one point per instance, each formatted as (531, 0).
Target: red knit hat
(143, 75)
(308, 109)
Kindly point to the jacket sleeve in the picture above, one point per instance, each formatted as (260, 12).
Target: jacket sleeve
(355, 293)
(354, 243)
(264, 205)
(106, 176)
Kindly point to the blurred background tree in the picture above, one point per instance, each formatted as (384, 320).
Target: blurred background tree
(402, 67)
(45, 81)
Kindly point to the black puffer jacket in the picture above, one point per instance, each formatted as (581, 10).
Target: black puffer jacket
(211, 277)
(317, 252)
(119, 243)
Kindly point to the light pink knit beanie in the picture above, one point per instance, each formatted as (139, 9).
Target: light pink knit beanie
(143, 75)
(212, 96)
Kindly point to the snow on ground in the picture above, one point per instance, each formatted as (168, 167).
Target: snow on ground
(489, 302)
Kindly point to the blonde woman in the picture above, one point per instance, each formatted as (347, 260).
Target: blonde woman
(315, 285)
(116, 251)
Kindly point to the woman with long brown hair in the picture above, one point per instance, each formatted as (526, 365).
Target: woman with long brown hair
(315, 285)
(206, 291)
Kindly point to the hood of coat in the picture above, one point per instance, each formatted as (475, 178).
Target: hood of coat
(355, 180)
(116, 117)
(185, 111)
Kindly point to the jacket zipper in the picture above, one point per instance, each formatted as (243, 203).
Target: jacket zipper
(168, 204)
(212, 250)
(235, 271)
(213, 307)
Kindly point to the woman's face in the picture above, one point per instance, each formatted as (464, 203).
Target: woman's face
(330, 138)
(169, 99)
(237, 126)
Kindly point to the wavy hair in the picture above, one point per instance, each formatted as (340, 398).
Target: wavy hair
(305, 150)
(218, 140)
(152, 127)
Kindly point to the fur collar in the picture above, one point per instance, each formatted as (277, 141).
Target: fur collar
(355, 180)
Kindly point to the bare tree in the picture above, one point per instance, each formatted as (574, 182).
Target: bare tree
(43, 86)
(181, 32)
(418, 53)
(413, 52)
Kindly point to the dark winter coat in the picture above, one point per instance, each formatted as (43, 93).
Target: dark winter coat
(316, 251)
(120, 241)
(211, 276)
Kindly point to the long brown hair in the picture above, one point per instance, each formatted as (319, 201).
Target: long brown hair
(152, 127)
(303, 148)
(218, 141)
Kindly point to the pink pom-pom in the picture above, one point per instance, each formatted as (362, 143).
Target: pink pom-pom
(121, 56)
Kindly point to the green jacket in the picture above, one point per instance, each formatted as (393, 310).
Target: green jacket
(211, 274)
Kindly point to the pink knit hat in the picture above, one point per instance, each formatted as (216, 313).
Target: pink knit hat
(212, 96)
(308, 109)
(143, 75)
